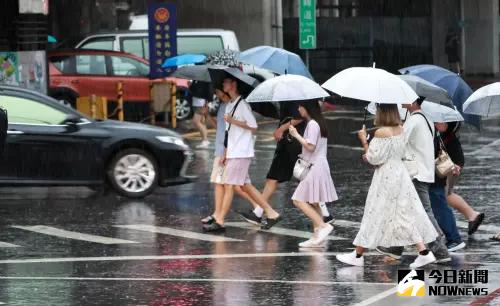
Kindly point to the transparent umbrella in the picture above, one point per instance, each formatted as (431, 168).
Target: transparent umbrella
(485, 101)
(287, 87)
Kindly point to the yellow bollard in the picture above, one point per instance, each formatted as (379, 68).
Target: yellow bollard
(173, 107)
(93, 108)
(119, 99)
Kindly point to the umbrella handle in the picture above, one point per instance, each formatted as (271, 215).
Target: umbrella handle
(364, 117)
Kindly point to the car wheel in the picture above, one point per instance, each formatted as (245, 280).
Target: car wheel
(133, 173)
(183, 106)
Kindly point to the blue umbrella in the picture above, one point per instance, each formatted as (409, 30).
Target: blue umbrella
(185, 59)
(456, 87)
(51, 39)
(275, 59)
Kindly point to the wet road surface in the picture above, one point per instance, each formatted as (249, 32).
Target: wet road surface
(70, 246)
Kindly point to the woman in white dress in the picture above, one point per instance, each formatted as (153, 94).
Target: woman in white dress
(394, 215)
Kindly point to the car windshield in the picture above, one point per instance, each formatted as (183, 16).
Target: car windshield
(27, 111)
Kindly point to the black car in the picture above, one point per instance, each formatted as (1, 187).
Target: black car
(50, 144)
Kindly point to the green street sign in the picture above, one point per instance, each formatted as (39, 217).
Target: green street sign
(307, 24)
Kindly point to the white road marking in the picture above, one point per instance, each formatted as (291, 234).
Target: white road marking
(279, 230)
(354, 148)
(346, 223)
(478, 187)
(52, 231)
(8, 245)
(225, 280)
(484, 227)
(176, 232)
(201, 256)
(377, 297)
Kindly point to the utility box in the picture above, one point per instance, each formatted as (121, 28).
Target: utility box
(93, 106)
(163, 101)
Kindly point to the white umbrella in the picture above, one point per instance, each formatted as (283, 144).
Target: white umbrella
(288, 87)
(485, 101)
(372, 85)
(372, 109)
(441, 113)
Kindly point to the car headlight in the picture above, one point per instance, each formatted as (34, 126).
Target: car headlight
(173, 140)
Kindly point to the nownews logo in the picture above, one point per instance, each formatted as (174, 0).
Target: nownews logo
(411, 283)
(447, 283)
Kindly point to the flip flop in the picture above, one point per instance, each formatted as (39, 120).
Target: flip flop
(496, 237)
(208, 220)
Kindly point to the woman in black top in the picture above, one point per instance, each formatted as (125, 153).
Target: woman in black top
(454, 149)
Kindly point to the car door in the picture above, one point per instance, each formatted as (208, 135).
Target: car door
(134, 75)
(92, 76)
(41, 149)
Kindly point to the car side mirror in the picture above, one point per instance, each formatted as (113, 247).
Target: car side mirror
(71, 121)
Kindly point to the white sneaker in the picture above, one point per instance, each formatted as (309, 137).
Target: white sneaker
(323, 233)
(203, 145)
(312, 243)
(423, 260)
(350, 259)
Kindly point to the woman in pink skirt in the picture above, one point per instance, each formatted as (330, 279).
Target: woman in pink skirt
(317, 186)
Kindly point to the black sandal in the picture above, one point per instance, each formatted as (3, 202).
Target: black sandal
(213, 227)
(208, 220)
(270, 222)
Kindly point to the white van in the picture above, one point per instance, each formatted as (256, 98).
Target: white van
(199, 41)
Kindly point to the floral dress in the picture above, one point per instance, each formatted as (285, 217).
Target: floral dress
(394, 215)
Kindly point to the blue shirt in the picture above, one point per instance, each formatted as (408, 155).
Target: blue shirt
(221, 130)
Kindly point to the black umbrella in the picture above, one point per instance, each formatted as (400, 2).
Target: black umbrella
(196, 72)
(265, 109)
(201, 89)
(246, 82)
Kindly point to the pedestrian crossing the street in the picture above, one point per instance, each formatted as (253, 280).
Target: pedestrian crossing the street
(349, 229)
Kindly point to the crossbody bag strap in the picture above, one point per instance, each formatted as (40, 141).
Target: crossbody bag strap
(426, 121)
(233, 111)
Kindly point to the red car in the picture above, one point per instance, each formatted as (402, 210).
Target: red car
(79, 73)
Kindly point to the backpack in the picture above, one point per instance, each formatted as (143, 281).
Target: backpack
(4, 126)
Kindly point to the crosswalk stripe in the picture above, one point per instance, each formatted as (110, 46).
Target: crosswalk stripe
(178, 233)
(52, 231)
(484, 227)
(8, 245)
(346, 223)
(461, 224)
(279, 230)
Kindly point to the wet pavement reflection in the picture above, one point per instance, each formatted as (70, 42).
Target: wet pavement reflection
(71, 246)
